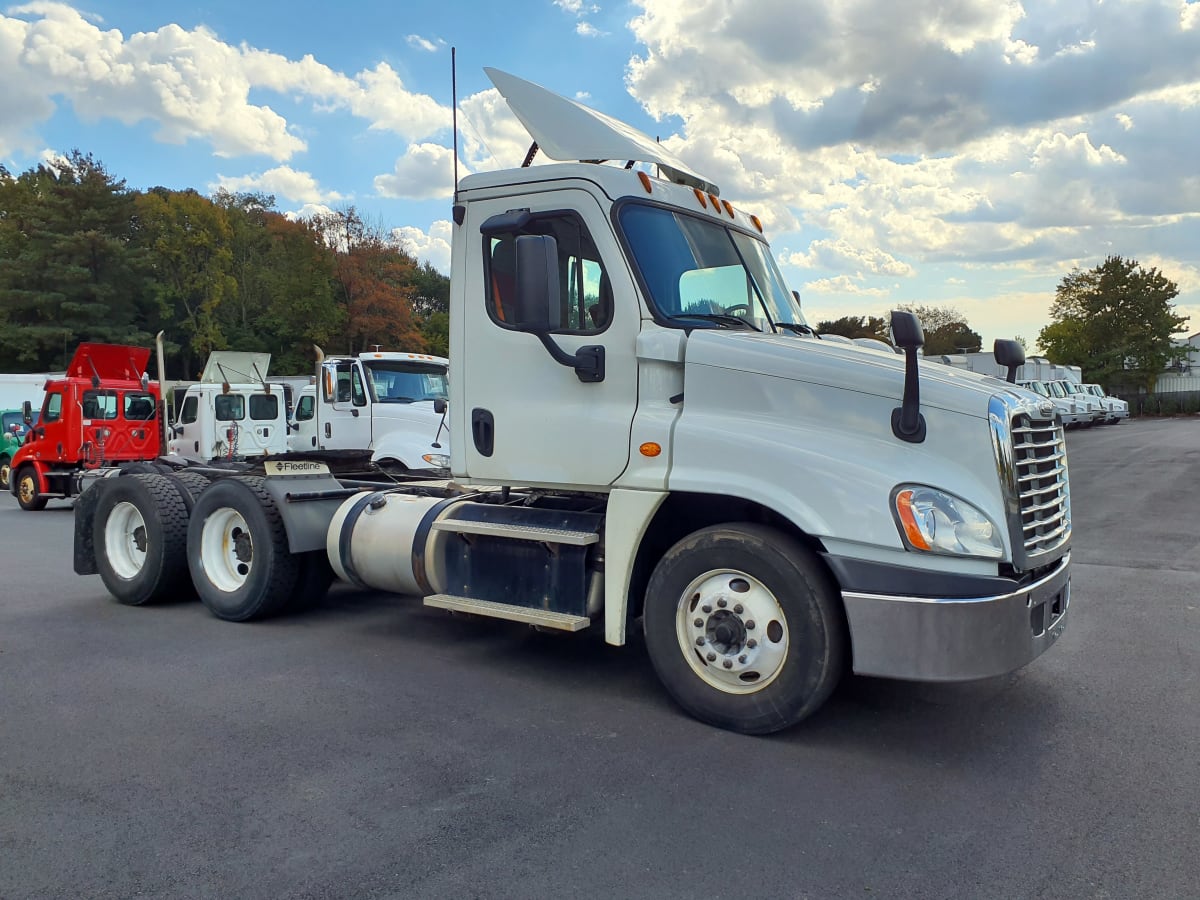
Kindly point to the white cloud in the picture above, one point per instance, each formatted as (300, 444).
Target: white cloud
(191, 84)
(432, 246)
(842, 284)
(282, 181)
(587, 29)
(310, 210)
(419, 43)
(576, 7)
(840, 254)
(1124, 121)
(424, 172)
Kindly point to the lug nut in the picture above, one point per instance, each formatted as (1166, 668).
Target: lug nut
(699, 623)
(706, 608)
(699, 642)
(749, 624)
(728, 664)
(712, 657)
(739, 609)
(752, 643)
(722, 604)
(742, 659)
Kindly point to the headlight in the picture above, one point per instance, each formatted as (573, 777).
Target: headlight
(937, 522)
(437, 460)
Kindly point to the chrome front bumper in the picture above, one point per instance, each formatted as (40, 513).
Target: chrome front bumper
(931, 639)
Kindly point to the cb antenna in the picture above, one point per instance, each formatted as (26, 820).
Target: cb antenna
(454, 113)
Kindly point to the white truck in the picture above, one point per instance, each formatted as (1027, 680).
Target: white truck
(1071, 413)
(648, 436)
(1116, 408)
(233, 414)
(390, 403)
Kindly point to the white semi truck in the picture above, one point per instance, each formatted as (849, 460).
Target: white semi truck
(233, 414)
(390, 403)
(648, 435)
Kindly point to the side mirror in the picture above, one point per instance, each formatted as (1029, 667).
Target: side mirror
(27, 412)
(906, 330)
(537, 302)
(1010, 355)
(439, 405)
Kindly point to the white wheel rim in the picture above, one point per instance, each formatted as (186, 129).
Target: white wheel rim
(5, 473)
(732, 631)
(125, 540)
(226, 549)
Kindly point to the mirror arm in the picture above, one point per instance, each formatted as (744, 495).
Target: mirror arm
(588, 362)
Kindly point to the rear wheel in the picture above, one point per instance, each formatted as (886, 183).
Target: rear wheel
(28, 494)
(5, 472)
(139, 532)
(190, 485)
(238, 551)
(744, 628)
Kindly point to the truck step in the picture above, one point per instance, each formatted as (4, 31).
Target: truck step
(561, 621)
(519, 532)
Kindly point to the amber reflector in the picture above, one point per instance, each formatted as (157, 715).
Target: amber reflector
(728, 207)
(700, 196)
(650, 449)
(757, 224)
(645, 179)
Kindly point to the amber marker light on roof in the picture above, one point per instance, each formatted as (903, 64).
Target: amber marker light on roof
(728, 208)
(754, 220)
(645, 180)
(715, 202)
(700, 196)
(650, 449)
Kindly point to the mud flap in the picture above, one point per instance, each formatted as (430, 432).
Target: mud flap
(85, 515)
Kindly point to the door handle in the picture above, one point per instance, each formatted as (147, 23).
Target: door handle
(328, 430)
(483, 430)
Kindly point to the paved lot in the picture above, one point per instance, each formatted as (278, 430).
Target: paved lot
(373, 748)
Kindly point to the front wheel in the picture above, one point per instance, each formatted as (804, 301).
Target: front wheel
(28, 494)
(5, 472)
(745, 628)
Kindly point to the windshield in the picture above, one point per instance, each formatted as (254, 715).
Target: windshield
(1056, 390)
(701, 273)
(1037, 387)
(1071, 388)
(394, 381)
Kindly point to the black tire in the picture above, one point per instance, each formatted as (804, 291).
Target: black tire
(805, 634)
(145, 468)
(141, 516)
(29, 496)
(312, 584)
(189, 485)
(253, 574)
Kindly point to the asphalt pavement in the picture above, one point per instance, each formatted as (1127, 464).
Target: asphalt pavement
(373, 748)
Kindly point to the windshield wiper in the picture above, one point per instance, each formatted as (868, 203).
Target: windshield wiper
(797, 328)
(721, 319)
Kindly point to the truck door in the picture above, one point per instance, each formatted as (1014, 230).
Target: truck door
(304, 422)
(51, 430)
(345, 420)
(139, 410)
(523, 418)
(265, 430)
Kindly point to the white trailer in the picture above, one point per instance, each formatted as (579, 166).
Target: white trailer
(647, 435)
(15, 389)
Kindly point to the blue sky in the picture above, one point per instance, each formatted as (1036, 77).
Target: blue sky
(967, 153)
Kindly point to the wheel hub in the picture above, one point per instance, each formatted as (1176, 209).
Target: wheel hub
(733, 631)
(243, 549)
(139, 538)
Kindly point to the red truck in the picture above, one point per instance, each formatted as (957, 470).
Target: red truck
(102, 416)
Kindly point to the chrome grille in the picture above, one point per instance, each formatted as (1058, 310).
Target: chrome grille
(1040, 464)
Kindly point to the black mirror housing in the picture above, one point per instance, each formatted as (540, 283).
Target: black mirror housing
(537, 307)
(1010, 355)
(27, 412)
(906, 330)
(439, 405)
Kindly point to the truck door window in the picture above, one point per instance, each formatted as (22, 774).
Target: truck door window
(138, 407)
(305, 408)
(52, 408)
(230, 407)
(187, 415)
(358, 393)
(99, 405)
(264, 407)
(585, 292)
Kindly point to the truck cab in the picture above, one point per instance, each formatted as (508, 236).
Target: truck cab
(234, 413)
(1116, 408)
(1067, 410)
(391, 403)
(101, 415)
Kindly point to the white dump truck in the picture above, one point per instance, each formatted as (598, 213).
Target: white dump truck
(390, 403)
(648, 436)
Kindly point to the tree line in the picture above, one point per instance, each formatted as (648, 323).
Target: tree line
(85, 258)
(946, 329)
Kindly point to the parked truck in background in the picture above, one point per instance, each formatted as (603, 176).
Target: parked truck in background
(648, 435)
(391, 403)
(1116, 408)
(98, 418)
(234, 413)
